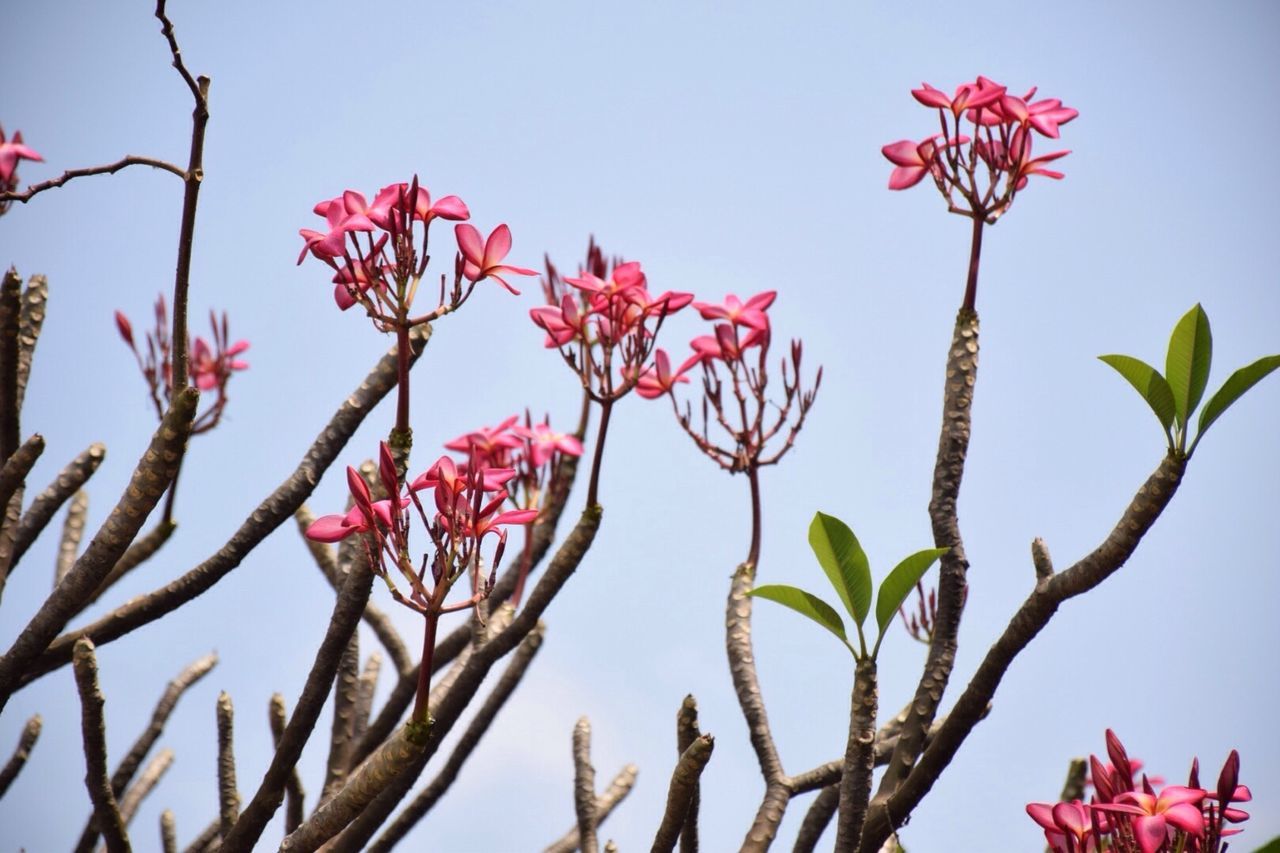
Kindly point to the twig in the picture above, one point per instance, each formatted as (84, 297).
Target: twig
(150, 478)
(269, 514)
(859, 756)
(953, 447)
(1035, 612)
(27, 740)
(341, 733)
(108, 169)
(683, 782)
(128, 766)
(206, 840)
(72, 533)
(18, 465)
(466, 744)
(168, 832)
(816, 819)
(377, 620)
(364, 697)
(293, 792)
(67, 483)
(147, 780)
(30, 322)
(686, 733)
(605, 804)
(228, 795)
(93, 730)
(584, 787)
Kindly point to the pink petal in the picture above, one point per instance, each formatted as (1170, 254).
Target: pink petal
(329, 528)
(470, 244)
(931, 97)
(902, 153)
(497, 247)
(451, 207)
(1151, 833)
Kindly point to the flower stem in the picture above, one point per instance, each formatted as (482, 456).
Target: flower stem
(753, 476)
(606, 408)
(402, 378)
(975, 255)
(420, 710)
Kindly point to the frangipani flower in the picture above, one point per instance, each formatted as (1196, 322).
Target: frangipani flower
(1176, 806)
(483, 259)
(658, 379)
(751, 313)
(11, 152)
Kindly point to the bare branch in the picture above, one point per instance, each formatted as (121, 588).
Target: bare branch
(147, 780)
(683, 782)
(1073, 785)
(228, 795)
(269, 514)
(605, 804)
(466, 744)
(30, 322)
(108, 169)
(364, 697)
(27, 740)
(686, 733)
(1040, 558)
(10, 315)
(150, 478)
(168, 832)
(143, 548)
(293, 784)
(345, 696)
(816, 819)
(93, 729)
(17, 467)
(66, 484)
(72, 533)
(584, 786)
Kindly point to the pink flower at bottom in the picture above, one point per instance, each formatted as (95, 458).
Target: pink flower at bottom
(1152, 816)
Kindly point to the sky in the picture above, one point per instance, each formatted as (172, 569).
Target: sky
(730, 148)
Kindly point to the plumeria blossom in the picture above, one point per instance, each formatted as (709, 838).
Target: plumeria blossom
(343, 215)
(1067, 826)
(211, 364)
(659, 379)
(483, 258)
(979, 172)
(739, 313)
(11, 151)
(1155, 817)
(391, 196)
(545, 442)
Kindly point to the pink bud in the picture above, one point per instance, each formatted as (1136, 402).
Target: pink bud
(124, 327)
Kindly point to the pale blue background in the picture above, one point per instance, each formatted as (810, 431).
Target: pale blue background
(730, 148)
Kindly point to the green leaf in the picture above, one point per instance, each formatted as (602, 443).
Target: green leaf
(1150, 384)
(898, 585)
(1272, 846)
(1187, 365)
(805, 604)
(1235, 386)
(845, 563)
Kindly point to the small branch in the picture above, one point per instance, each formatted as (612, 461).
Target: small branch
(109, 169)
(859, 756)
(377, 620)
(72, 533)
(466, 744)
(268, 515)
(150, 478)
(345, 696)
(293, 793)
(366, 686)
(686, 733)
(93, 730)
(10, 314)
(27, 740)
(147, 780)
(684, 781)
(816, 820)
(168, 832)
(206, 841)
(953, 448)
(346, 616)
(1036, 611)
(18, 466)
(67, 483)
(1073, 785)
(143, 548)
(30, 322)
(605, 804)
(1040, 559)
(584, 787)
(228, 794)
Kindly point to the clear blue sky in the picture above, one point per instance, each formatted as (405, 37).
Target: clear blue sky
(729, 148)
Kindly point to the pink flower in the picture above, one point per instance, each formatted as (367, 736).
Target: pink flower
(391, 196)
(725, 345)
(658, 379)
(1061, 819)
(561, 324)
(544, 442)
(345, 213)
(1021, 154)
(750, 314)
(914, 160)
(210, 369)
(484, 259)
(10, 153)
(969, 96)
(490, 444)
(625, 277)
(1176, 807)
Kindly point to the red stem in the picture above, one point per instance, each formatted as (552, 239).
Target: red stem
(420, 710)
(975, 255)
(606, 408)
(402, 378)
(753, 476)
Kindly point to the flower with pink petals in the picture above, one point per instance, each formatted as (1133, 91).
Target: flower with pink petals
(1061, 821)
(658, 379)
(544, 442)
(483, 259)
(562, 324)
(1176, 807)
(968, 96)
(394, 195)
(751, 313)
(11, 152)
(347, 212)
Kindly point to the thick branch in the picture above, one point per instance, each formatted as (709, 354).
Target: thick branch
(27, 740)
(584, 787)
(18, 466)
(605, 804)
(816, 819)
(273, 510)
(366, 686)
(168, 832)
(293, 784)
(1039, 607)
(345, 694)
(10, 314)
(228, 793)
(859, 756)
(93, 729)
(150, 478)
(686, 733)
(684, 781)
(953, 447)
(66, 484)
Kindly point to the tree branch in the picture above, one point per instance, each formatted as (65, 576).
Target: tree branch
(228, 794)
(293, 784)
(686, 733)
(815, 823)
(93, 730)
(605, 804)
(30, 322)
(147, 780)
(684, 781)
(108, 169)
(859, 756)
(345, 695)
(72, 533)
(27, 740)
(66, 484)
(584, 787)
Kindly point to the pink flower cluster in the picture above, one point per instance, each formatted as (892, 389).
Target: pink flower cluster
(988, 166)
(1125, 816)
(735, 356)
(211, 365)
(605, 328)
(11, 151)
(379, 253)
